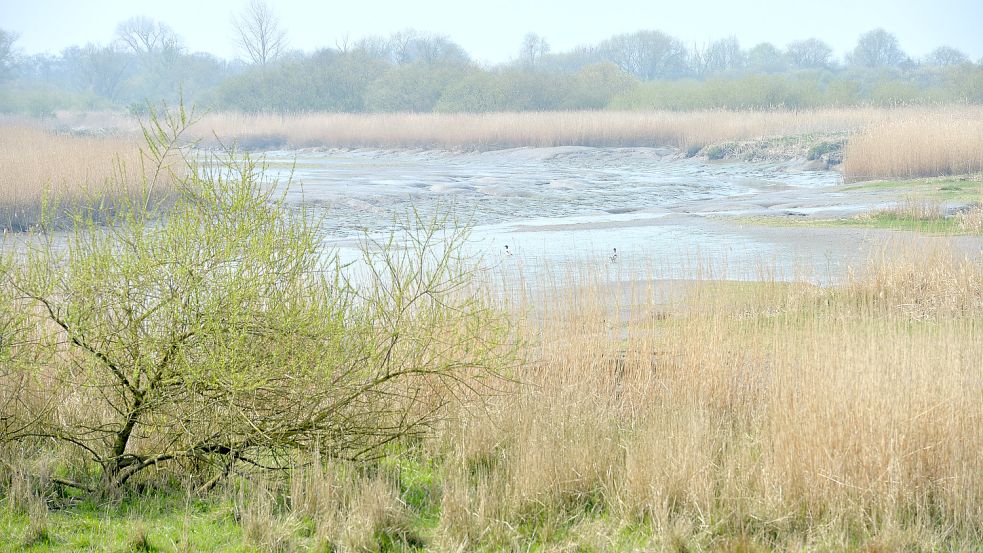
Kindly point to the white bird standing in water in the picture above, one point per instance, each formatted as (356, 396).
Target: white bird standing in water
(614, 257)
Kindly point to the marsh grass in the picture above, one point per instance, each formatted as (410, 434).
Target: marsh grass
(543, 129)
(785, 413)
(43, 167)
(948, 142)
(734, 416)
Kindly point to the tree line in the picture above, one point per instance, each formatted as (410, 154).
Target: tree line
(420, 71)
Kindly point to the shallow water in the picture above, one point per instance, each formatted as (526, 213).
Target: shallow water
(559, 208)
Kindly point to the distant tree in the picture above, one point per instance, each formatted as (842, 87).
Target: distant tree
(945, 56)
(878, 48)
(533, 50)
(766, 58)
(646, 54)
(99, 69)
(414, 87)
(375, 47)
(145, 37)
(720, 56)
(7, 40)
(258, 33)
(810, 53)
(595, 85)
(400, 45)
(430, 49)
(574, 60)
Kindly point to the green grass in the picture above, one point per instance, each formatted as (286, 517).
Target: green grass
(168, 523)
(883, 220)
(956, 188)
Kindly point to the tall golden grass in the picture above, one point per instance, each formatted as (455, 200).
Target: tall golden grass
(40, 164)
(884, 143)
(788, 415)
(920, 145)
(504, 130)
(899, 142)
(738, 416)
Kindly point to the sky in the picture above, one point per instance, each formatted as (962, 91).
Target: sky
(491, 31)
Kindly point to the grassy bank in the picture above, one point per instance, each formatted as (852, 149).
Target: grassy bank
(746, 416)
(941, 205)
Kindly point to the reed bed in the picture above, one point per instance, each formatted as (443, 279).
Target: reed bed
(738, 416)
(918, 145)
(750, 415)
(741, 416)
(536, 129)
(41, 165)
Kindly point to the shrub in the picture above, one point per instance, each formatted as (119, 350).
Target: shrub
(830, 149)
(720, 151)
(215, 332)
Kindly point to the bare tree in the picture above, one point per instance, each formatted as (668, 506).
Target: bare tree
(810, 53)
(945, 56)
(7, 40)
(432, 48)
(534, 48)
(724, 55)
(646, 54)
(146, 37)
(259, 34)
(99, 69)
(878, 48)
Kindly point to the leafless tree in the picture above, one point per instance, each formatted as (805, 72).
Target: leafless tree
(878, 48)
(534, 48)
(810, 53)
(258, 33)
(7, 40)
(946, 56)
(646, 54)
(146, 37)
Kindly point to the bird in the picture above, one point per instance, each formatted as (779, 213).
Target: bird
(507, 251)
(614, 257)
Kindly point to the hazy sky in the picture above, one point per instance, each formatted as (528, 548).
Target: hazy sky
(493, 29)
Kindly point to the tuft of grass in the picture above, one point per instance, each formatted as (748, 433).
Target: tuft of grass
(139, 540)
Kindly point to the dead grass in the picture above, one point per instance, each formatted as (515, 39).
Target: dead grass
(971, 220)
(506, 130)
(792, 415)
(902, 142)
(948, 142)
(737, 416)
(41, 165)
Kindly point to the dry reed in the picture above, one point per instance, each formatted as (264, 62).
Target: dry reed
(884, 143)
(538, 129)
(784, 414)
(757, 415)
(42, 165)
(948, 142)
